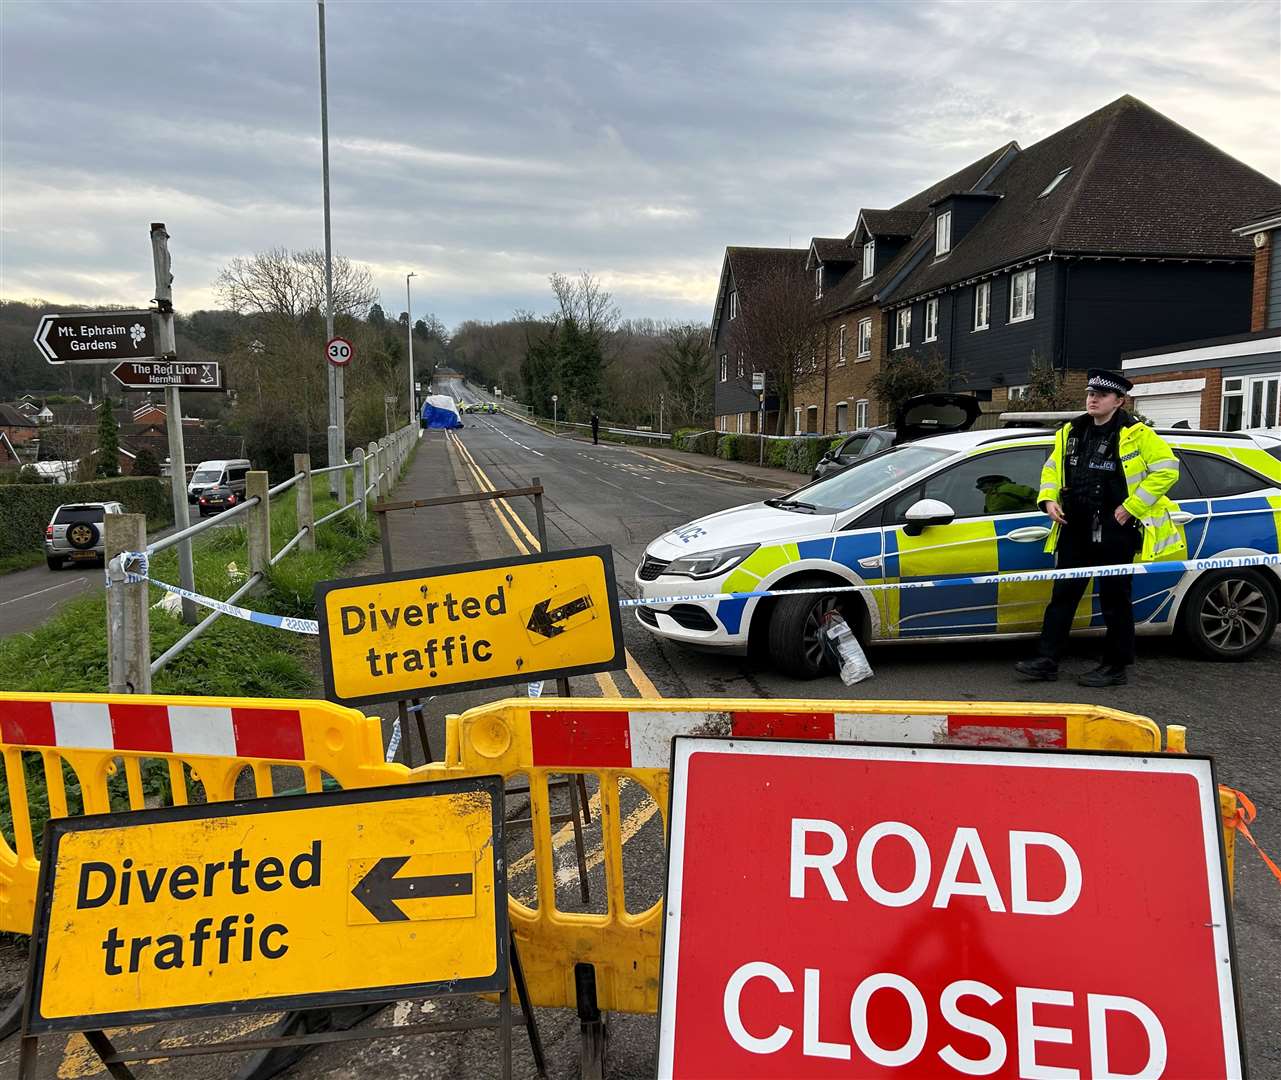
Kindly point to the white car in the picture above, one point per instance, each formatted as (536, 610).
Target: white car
(78, 532)
(930, 510)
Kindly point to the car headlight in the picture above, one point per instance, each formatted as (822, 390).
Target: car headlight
(710, 563)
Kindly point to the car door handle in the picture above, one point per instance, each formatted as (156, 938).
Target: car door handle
(1028, 534)
(871, 562)
(1181, 517)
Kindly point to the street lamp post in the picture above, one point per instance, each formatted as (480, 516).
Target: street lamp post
(337, 410)
(409, 313)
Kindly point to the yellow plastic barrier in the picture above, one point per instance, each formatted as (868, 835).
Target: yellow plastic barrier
(91, 750)
(615, 740)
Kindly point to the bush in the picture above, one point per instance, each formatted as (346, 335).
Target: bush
(748, 449)
(704, 442)
(727, 447)
(776, 453)
(25, 509)
(803, 454)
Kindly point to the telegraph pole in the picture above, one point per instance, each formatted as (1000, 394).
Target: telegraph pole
(337, 411)
(409, 316)
(173, 412)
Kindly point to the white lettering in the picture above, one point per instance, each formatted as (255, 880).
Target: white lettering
(967, 839)
(757, 969)
(867, 876)
(1097, 1007)
(870, 1049)
(812, 1045)
(1026, 998)
(1019, 902)
(990, 1033)
(803, 860)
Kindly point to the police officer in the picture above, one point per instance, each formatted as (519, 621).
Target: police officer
(1104, 487)
(1001, 495)
(595, 428)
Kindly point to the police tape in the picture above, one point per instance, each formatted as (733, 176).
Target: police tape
(1013, 578)
(135, 560)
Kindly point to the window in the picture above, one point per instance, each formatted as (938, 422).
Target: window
(869, 259)
(943, 233)
(811, 419)
(818, 283)
(742, 366)
(931, 320)
(871, 477)
(1022, 295)
(1218, 477)
(796, 420)
(853, 447)
(860, 414)
(733, 304)
(739, 423)
(1055, 182)
(1251, 403)
(1015, 493)
(840, 345)
(982, 304)
(724, 366)
(842, 418)
(864, 338)
(1018, 393)
(903, 328)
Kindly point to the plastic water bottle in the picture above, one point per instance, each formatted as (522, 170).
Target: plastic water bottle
(849, 653)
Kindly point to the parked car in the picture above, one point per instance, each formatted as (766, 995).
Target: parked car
(219, 497)
(77, 531)
(211, 474)
(929, 510)
(917, 418)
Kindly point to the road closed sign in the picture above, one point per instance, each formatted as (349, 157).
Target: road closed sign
(862, 910)
(276, 903)
(394, 636)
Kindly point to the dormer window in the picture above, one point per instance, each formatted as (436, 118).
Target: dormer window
(818, 282)
(869, 259)
(943, 233)
(733, 304)
(1055, 182)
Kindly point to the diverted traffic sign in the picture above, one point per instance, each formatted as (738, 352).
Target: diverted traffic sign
(392, 636)
(276, 903)
(146, 375)
(97, 337)
(850, 910)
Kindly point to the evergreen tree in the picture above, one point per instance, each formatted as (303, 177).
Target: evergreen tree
(108, 441)
(147, 463)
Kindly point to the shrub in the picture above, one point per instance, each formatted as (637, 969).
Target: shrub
(703, 443)
(25, 509)
(803, 454)
(776, 453)
(748, 449)
(727, 447)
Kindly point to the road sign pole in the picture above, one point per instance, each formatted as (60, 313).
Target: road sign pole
(173, 413)
(337, 440)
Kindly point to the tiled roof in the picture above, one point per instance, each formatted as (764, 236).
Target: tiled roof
(11, 417)
(1138, 184)
(893, 222)
(832, 249)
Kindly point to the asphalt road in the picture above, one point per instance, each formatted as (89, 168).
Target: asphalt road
(618, 496)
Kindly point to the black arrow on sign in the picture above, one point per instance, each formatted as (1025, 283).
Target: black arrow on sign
(547, 623)
(379, 889)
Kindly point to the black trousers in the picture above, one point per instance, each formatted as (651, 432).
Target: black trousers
(1118, 545)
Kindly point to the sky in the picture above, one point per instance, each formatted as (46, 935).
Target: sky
(486, 146)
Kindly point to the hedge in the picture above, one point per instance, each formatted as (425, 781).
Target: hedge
(25, 509)
(798, 455)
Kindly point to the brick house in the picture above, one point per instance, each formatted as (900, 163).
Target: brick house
(16, 425)
(1120, 232)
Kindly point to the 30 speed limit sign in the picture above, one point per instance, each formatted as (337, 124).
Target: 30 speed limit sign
(339, 351)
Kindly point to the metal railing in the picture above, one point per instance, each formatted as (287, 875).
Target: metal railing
(556, 425)
(373, 471)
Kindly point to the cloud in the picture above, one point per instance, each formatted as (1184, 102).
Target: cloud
(486, 146)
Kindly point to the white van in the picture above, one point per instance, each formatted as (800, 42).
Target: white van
(210, 474)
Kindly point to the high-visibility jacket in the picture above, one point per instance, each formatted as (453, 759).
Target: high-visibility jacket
(1151, 469)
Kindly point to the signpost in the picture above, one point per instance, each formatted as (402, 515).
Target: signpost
(290, 902)
(98, 337)
(841, 909)
(137, 375)
(398, 635)
(339, 351)
(758, 384)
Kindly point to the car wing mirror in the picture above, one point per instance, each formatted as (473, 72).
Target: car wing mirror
(925, 512)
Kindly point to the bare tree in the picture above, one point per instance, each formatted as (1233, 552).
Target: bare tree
(584, 300)
(279, 282)
(778, 328)
(684, 362)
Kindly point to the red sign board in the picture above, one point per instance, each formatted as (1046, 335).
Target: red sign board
(339, 351)
(861, 910)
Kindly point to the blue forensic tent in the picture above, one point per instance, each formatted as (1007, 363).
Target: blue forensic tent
(439, 411)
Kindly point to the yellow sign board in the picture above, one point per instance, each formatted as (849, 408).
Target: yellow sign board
(277, 903)
(395, 636)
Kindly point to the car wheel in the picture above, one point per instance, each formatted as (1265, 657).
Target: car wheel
(83, 535)
(1229, 615)
(54, 563)
(795, 632)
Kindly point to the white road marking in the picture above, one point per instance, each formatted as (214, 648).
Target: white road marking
(504, 434)
(38, 592)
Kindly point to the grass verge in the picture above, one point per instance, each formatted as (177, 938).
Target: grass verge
(21, 561)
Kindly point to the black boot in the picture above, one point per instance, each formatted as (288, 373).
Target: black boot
(1042, 668)
(1105, 675)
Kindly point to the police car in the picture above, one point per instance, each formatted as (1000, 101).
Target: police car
(958, 505)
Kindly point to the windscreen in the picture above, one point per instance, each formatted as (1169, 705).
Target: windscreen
(207, 476)
(869, 478)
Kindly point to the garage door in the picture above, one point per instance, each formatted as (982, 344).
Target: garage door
(1167, 404)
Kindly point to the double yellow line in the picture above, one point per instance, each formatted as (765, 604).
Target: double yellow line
(507, 517)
